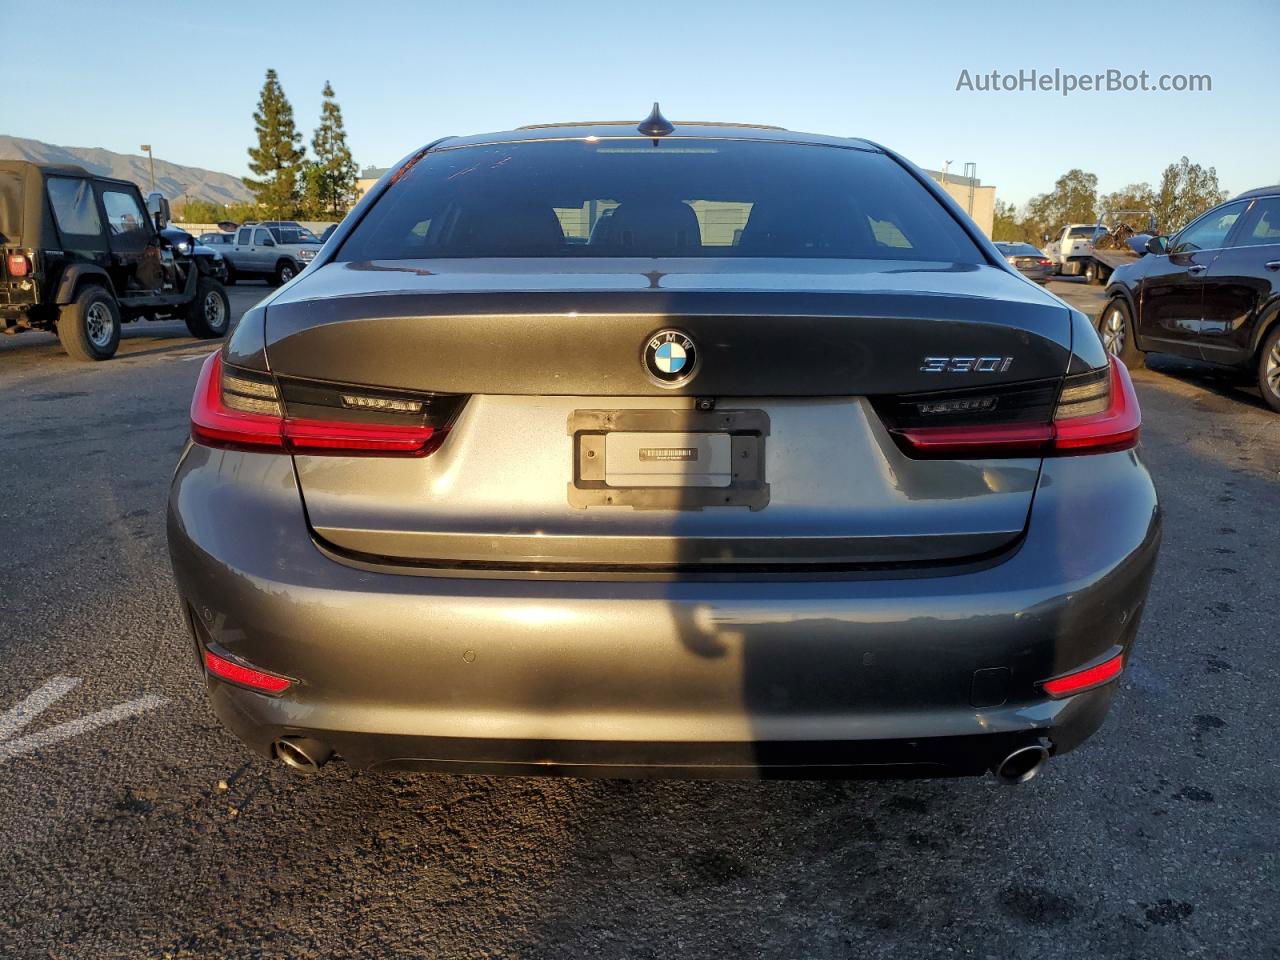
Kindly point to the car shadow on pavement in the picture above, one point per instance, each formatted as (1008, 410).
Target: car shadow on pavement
(1231, 384)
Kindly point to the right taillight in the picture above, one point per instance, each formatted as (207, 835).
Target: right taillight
(238, 409)
(1091, 419)
(1095, 412)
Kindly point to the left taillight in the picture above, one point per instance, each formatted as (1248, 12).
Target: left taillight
(239, 409)
(1093, 412)
(18, 264)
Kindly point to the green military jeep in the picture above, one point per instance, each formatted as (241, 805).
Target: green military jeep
(81, 254)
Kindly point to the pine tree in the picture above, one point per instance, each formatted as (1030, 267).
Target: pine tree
(277, 159)
(331, 180)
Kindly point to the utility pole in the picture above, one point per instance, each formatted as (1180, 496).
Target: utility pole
(946, 165)
(147, 148)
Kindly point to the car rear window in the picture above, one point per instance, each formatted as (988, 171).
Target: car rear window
(1018, 250)
(679, 198)
(1084, 231)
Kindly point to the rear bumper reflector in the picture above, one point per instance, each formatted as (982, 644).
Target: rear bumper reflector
(1086, 679)
(245, 676)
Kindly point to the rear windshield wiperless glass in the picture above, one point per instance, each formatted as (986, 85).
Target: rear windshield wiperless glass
(680, 198)
(1018, 249)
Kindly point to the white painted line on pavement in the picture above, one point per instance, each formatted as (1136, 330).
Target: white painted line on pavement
(36, 704)
(17, 718)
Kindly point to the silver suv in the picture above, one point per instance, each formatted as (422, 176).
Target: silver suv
(274, 250)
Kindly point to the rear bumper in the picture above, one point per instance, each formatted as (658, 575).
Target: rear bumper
(881, 675)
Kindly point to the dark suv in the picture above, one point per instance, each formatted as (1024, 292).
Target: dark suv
(83, 254)
(1211, 292)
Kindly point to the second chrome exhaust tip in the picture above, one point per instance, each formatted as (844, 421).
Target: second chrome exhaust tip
(1022, 764)
(304, 754)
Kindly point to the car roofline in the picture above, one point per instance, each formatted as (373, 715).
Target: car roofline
(684, 130)
(1257, 192)
(632, 123)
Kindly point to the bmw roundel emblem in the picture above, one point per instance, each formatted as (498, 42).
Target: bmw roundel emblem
(670, 357)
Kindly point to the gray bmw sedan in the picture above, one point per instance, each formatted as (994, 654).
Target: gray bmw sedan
(663, 450)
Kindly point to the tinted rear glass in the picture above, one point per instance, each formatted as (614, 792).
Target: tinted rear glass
(681, 198)
(1018, 250)
(1084, 231)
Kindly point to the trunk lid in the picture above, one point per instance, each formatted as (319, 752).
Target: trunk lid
(795, 355)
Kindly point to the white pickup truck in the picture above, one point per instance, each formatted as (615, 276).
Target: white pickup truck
(1072, 249)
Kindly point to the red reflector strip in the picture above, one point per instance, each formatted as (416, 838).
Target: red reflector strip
(245, 676)
(1085, 679)
(319, 435)
(213, 424)
(1000, 439)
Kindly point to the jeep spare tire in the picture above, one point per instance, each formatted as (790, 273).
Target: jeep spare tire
(89, 326)
(209, 313)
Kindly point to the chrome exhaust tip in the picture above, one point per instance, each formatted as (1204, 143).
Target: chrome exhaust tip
(304, 754)
(1022, 765)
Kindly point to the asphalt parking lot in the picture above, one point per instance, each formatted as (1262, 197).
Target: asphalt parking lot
(132, 825)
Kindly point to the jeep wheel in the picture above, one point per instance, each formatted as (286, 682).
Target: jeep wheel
(209, 313)
(89, 327)
(285, 271)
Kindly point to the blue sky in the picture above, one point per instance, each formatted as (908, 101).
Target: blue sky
(112, 75)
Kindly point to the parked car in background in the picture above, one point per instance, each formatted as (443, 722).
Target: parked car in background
(1210, 292)
(274, 250)
(210, 260)
(1027, 260)
(328, 232)
(219, 241)
(778, 469)
(82, 254)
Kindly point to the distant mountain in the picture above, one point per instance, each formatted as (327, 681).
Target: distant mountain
(176, 182)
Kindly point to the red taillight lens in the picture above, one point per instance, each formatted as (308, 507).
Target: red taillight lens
(239, 412)
(245, 676)
(214, 424)
(19, 264)
(322, 436)
(1114, 428)
(1086, 679)
(1100, 415)
(1044, 261)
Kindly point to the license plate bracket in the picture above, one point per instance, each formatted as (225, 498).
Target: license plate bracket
(668, 459)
